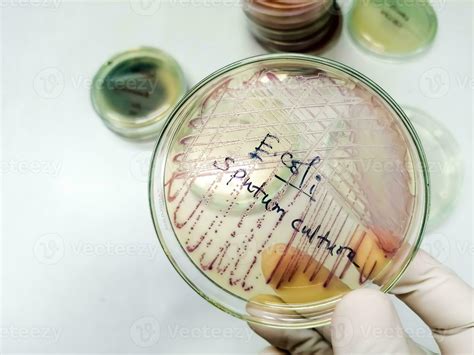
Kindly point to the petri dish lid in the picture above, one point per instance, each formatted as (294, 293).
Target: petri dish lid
(445, 164)
(393, 28)
(134, 91)
(283, 181)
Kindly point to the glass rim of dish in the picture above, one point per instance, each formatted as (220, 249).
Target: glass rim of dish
(322, 309)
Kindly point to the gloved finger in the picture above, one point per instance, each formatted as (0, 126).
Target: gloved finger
(325, 332)
(271, 350)
(299, 341)
(295, 341)
(442, 300)
(366, 322)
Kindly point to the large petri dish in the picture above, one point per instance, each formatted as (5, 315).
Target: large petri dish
(281, 182)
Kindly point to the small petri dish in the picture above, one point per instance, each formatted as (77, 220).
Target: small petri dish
(134, 91)
(281, 182)
(393, 28)
(445, 164)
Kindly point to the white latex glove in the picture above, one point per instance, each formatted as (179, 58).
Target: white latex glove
(365, 321)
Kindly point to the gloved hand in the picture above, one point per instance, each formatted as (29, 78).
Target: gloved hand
(365, 321)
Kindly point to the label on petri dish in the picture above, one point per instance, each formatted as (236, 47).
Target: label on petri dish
(289, 181)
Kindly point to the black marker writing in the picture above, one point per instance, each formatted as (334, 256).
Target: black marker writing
(263, 143)
(255, 190)
(323, 240)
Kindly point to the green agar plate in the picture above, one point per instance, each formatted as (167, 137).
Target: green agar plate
(393, 28)
(134, 91)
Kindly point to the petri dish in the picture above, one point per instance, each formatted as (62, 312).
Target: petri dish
(284, 19)
(281, 182)
(315, 42)
(134, 91)
(445, 164)
(393, 28)
(314, 38)
(289, 35)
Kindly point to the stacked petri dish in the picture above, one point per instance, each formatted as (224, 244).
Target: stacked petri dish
(292, 25)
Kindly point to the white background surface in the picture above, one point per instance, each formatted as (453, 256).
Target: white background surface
(82, 268)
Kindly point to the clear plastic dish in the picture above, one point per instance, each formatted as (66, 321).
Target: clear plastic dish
(445, 164)
(282, 182)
